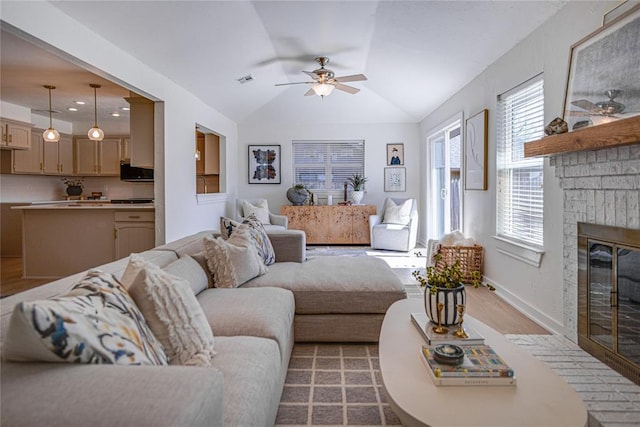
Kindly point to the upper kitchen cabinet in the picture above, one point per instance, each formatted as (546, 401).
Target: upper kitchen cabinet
(28, 161)
(141, 129)
(57, 157)
(97, 157)
(15, 135)
(207, 162)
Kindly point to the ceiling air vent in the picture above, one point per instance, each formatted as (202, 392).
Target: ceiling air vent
(245, 79)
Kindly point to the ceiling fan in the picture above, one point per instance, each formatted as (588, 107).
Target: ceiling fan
(604, 108)
(324, 80)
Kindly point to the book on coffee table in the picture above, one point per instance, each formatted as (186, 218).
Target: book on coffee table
(481, 366)
(422, 323)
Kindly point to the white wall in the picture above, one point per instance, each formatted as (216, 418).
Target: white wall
(537, 291)
(178, 212)
(375, 136)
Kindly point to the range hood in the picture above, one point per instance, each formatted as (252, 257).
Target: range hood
(135, 174)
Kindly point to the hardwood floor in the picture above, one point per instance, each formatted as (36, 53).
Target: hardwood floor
(11, 280)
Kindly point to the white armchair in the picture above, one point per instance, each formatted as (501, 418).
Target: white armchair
(395, 228)
(270, 221)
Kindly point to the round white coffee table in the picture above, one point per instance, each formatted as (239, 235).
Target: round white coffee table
(540, 398)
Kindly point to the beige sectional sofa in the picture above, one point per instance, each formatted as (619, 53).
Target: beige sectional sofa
(323, 299)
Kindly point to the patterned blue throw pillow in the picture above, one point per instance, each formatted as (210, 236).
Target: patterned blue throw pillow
(258, 233)
(96, 322)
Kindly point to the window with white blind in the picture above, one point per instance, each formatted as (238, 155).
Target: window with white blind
(520, 179)
(326, 165)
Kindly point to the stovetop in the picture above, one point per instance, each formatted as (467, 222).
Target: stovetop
(131, 201)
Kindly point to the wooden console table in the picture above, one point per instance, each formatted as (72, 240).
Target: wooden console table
(331, 224)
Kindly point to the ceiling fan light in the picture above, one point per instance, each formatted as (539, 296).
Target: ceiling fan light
(323, 89)
(51, 135)
(95, 134)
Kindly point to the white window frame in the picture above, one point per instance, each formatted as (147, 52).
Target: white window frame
(520, 209)
(326, 151)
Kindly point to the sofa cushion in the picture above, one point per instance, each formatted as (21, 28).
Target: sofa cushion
(336, 285)
(258, 233)
(234, 261)
(259, 210)
(97, 322)
(265, 313)
(253, 380)
(397, 214)
(172, 312)
(191, 270)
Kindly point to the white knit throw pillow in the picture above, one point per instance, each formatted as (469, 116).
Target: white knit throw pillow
(172, 312)
(394, 214)
(260, 210)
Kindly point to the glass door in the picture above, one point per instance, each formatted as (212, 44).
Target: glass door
(444, 188)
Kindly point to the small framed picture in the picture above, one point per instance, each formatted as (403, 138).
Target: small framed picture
(395, 179)
(264, 164)
(395, 154)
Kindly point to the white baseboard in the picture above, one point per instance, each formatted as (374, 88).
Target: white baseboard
(527, 309)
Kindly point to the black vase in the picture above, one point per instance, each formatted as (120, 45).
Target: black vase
(74, 190)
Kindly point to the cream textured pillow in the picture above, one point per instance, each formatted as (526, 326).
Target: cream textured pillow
(172, 312)
(96, 322)
(234, 261)
(394, 214)
(191, 270)
(257, 231)
(261, 211)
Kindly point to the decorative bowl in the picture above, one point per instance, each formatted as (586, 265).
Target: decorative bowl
(448, 354)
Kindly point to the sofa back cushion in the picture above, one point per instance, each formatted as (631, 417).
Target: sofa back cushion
(189, 269)
(96, 322)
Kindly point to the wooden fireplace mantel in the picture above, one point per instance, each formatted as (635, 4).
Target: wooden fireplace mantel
(620, 132)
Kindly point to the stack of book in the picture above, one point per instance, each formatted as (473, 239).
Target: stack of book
(422, 323)
(481, 366)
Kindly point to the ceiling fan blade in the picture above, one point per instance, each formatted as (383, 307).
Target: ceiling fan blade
(353, 78)
(586, 105)
(310, 92)
(294, 83)
(350, 89)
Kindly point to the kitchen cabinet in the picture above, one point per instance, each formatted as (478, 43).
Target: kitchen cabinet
(208, 165)
(28, 161)
(331, 224)
(141, 131)
(97, 157)
(15, 135)
(134, 232)
(57, 157)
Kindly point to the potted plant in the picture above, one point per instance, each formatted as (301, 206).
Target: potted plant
(74, 186)
(298, 194)
(357, 183)
(444, 284)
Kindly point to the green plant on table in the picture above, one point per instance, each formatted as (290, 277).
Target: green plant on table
(447, 276)
(357, 181)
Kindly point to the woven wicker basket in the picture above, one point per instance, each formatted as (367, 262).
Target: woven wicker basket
(470, 257)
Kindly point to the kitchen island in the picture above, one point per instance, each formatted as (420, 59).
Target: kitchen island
(60, 239)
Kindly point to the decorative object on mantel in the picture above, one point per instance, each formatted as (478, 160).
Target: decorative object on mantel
(74, 186)
(264, 164)
(475, 158)
(357, 182)
(556, 126)
(604, 65)
(298, 195)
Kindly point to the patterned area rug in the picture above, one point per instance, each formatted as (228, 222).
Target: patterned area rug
(331, 384)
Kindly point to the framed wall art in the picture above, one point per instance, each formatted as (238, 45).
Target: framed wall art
(395, 179)
(395, 154)
(475, 151)
(602, 84)
(264, 164)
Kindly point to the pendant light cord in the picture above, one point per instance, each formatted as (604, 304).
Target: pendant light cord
(95, 108)
(50, 112)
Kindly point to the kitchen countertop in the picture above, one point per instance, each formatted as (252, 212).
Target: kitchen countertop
(94, 204)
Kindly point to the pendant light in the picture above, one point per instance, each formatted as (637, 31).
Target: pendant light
(50, 135)
(323, 89)
(95, 133)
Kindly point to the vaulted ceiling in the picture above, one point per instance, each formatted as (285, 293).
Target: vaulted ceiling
(415, 54)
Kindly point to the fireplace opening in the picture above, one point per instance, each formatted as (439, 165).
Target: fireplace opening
(609, 296)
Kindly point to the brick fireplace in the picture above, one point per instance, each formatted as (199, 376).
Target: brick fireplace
(601, 187)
